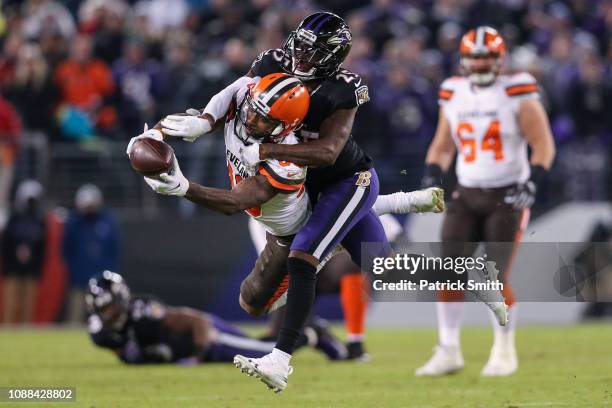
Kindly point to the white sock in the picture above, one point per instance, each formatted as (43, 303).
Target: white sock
(280, 356)
(503, 336)
(354, 338)
(450, 315)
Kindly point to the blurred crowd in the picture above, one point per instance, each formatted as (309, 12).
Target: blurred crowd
(82, 72)
(99, 69)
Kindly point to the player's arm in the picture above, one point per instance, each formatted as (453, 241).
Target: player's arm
(185, 319)
(440, 153)
(335, 132)
(250, 192)
(534, 125)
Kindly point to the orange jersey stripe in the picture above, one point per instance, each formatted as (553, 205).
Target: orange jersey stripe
(444, 94)
(277, 184)
(521, 89)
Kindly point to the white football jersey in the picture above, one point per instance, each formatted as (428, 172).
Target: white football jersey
(286, 212)
(492, 152)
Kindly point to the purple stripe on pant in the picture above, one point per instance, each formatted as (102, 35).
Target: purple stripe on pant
(343, 214)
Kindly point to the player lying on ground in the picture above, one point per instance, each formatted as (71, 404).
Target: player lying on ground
(141, 329)
(489, 120)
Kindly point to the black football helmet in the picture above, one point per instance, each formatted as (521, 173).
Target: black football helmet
(318, 46)
(106, 289)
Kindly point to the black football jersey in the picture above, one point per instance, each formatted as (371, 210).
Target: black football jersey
(344, 90)
(145, 328)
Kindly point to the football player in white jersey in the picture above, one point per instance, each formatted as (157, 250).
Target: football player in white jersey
(488, 119)
(266, 109)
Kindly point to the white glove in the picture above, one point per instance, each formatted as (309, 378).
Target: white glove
(249, 155)
(150, 133)
(189, 127)
(171, 183)
(522, 196)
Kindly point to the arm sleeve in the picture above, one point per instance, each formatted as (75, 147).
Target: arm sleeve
(219, 104)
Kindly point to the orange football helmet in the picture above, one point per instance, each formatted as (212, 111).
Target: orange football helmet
(272, 108)
(482, 55)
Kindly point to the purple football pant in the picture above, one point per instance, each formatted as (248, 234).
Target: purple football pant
(343, 215)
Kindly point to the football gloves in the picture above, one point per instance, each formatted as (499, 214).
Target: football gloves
(249, 155)
(522, 196)
(171, 183)
(189, 127)
(150, 133)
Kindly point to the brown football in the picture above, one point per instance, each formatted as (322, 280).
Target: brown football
(151, 157)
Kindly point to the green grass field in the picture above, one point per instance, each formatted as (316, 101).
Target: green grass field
(560, 367)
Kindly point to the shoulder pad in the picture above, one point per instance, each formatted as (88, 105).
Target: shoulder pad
(283, 175)
(521, 84)
(449, 87)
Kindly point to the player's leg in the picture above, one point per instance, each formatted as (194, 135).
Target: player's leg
(338, 209)
(504, 225)
(341, 275)
(458, 228)
(260, 286)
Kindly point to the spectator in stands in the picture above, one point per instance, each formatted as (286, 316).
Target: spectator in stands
(23, 253)
(41, 15)
(184, 86)
(10, 133)
(32, 90)
(139, 82)
(91, 245)
(85, 84)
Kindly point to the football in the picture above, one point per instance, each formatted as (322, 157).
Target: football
(151, 157)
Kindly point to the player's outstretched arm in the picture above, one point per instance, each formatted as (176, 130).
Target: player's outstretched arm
(334, 133)
(251, 192)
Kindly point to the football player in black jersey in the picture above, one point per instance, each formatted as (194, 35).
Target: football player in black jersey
(141, 329)
(341, 181)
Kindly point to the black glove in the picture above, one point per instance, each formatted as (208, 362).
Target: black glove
(432, 176)
(523, 195)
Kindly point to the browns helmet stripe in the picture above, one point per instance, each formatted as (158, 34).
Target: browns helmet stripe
(277, 89)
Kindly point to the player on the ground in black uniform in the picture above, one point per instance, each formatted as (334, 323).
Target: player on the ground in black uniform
(141, 329)
(341, 181)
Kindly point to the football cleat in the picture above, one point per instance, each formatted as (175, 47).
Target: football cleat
(356, 352)
(493, 299)
(270, 372)
(503, 361)
(446, 360)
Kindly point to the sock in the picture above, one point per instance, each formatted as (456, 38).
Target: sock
(503, 336)
(450, 315)
(281, 356)
(354, 305)
(300, 297)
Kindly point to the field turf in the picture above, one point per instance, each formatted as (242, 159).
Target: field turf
(567, 366)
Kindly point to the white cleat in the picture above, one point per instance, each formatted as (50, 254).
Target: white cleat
(503, 361)
(500, 310)
(272, 374)
(446, 360)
